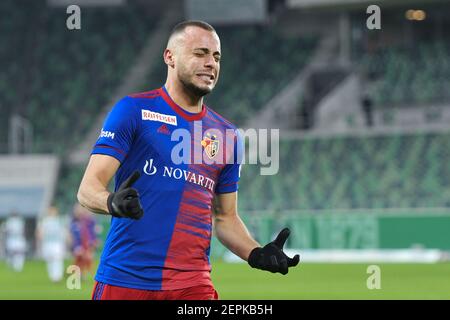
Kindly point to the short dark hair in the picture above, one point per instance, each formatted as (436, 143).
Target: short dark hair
(191, 23)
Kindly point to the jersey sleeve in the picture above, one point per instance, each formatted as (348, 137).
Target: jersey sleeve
(118, 130)
(229, 177)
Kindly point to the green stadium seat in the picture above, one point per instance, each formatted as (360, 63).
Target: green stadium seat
(410, 77)
(401, 171)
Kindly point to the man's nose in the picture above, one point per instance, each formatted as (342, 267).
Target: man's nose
(210, 62)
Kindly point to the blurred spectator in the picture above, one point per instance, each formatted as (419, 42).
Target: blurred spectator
(50, 236)
(83, 239)
(367, 79)
(367, 106)
(15, 241)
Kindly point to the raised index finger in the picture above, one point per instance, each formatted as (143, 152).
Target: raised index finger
(130, 180)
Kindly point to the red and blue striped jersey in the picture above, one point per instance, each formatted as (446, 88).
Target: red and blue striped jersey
(184, 160)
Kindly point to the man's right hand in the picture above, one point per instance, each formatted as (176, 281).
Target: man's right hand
(124, 203)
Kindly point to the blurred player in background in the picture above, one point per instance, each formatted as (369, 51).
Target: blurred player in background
(15, 246)
(83, 239)
(51, 236)
(159, 241)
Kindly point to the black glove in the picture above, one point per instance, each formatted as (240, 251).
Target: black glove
(124, 203)
(271, 257)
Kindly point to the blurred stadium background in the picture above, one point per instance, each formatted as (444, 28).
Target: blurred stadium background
(364, 119)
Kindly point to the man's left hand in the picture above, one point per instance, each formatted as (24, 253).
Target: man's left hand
(271, 257)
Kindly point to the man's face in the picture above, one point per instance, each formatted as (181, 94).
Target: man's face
(197, 60)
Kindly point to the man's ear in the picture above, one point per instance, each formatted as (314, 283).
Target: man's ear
(169, 58)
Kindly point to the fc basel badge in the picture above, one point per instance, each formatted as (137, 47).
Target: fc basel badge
(211, 145)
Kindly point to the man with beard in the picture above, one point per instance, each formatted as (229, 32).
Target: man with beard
(171, 155)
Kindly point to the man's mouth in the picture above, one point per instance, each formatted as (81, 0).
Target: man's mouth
(208, 77)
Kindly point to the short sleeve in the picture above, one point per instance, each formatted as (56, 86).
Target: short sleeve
(118, 130)
(229, 177)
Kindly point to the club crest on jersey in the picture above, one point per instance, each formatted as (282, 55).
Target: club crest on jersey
(211, 145)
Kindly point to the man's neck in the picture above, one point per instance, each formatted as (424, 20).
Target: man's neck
(183, 98)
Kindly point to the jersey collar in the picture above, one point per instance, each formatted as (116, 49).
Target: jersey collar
(181, 112)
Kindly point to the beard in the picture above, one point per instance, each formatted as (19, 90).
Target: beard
(192, 88)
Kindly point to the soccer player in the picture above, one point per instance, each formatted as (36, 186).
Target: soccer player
(15, 241)
(51, 237)
(159, 241)
(83, 239)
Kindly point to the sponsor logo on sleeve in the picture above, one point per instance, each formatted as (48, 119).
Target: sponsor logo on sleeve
(107, 134)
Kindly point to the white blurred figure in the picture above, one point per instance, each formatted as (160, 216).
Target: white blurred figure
(15, 241)
(51, 237)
